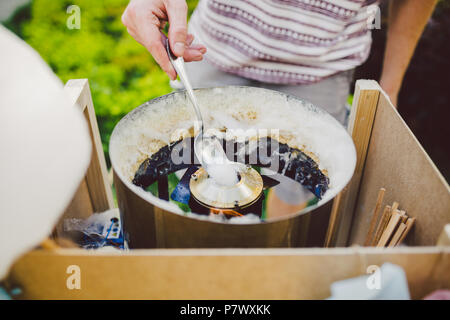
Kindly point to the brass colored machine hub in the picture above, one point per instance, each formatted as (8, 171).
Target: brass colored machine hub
(211, 194)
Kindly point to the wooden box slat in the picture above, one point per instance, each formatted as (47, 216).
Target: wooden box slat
(220, 274)
(94, 193)
(388, 156)
(397, 162)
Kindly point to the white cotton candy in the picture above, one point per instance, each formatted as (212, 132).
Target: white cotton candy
(223, 174)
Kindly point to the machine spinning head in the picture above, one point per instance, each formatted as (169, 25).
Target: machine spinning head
(207, 192)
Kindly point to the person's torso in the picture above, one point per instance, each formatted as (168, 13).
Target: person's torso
(285, 41)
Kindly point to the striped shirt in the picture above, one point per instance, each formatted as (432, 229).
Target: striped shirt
(285, 41)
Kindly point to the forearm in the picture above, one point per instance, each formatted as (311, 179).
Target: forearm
(407, 19)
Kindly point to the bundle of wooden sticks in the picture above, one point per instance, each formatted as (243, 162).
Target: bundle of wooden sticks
(393, 225)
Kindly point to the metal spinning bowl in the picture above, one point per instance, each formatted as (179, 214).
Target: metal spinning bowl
(152, 222)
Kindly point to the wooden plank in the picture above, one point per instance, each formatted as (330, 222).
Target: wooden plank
(383, 222)
(80, 207)
(94, 193)
(376, 212)
(397, 162)
(360, 128)
(389, 231)
(409, 225)
(424, 273)
(444, 238)
(219, 274)
(81, 204)
(97, 181)
(395, 239)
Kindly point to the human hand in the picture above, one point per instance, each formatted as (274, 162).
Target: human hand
(145, 19)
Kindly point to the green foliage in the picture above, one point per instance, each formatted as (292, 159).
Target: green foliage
(122, 74)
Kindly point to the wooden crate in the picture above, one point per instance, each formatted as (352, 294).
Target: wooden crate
(388, 156)
(94, 193)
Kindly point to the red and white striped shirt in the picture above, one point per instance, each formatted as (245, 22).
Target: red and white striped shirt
(285, 41)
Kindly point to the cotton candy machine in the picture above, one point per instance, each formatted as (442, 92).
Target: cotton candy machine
(295, 158)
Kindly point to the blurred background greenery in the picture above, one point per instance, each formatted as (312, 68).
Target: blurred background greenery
(123, 75)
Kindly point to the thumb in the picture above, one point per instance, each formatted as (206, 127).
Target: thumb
(177, 12)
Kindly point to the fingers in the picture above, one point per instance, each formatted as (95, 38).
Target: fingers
(152, 40)
(194, 53)
(145, 28)
(177, 12)
(126, 20)
(189, 39)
